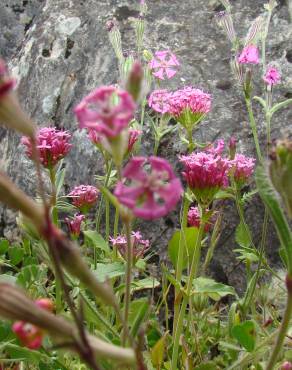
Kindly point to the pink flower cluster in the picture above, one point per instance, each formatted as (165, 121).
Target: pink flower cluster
(272, 76)
(188, 105)
(52, 145)
(164, 64)
(249, 55)
(194, 219)
(140, 245)
(30, 335)
(74, 225)
(287, 365)
(149, 192)
(107, 110)
(243, 167)
(84, 197)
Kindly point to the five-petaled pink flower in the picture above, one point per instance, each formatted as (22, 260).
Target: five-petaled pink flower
(272, 76)
(164, 64)
(140, 245)
(30, 335)
(243, 167)
(107, 110)
(149, 192)
(74, 224)
(52, 145)
(159, 101)
(84, 197)
(249, 55)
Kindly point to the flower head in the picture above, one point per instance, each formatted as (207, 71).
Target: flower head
(164, 64)
(272, 76)
(74, 225)
(140, 245)
(107, 110)
(243, 167)
(189, 105)
(149, 194)
(194, 219)
(249, 55)
(206, 173)
(287, 365)
(84, 197)
(52, 145)
(159, 101)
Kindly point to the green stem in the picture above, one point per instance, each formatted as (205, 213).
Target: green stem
(128, 278)
(283, 329)
(253, 128)
(156, 145)
(192, 275)
(107, 219)
(191, 145)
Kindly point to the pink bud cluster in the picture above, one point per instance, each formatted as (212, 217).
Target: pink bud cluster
(30, 335)
(194, 219)
(140, 245)
(164, 64)
(149, 187)
(52, 144)
(74, 224)
(84, 197)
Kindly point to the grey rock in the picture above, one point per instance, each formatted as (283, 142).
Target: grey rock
(59, 51)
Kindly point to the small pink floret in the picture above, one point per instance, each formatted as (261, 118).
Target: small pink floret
(164, 64)
(194, 219)
(140, 245)
(133, 137)
(244, 167)
(84, 196)
(159, 101)
(287, 365)
(272, 76)
(74, 224)
(30, 335)
(249, 55)
(151, 193)
(107, 110)
(53, 145)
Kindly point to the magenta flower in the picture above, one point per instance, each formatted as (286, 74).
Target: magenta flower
(159, 101)
(189, 106)
(94, 137)
(272, 76)
(150, 194)
(205, 173)
(107, 110)
(140, 246)
(286, 366)
(164, 64)
(84, 197)
(52, 145)
(243, 167)
(74, 225)
(249, 55)
(194, 219)
(133, 137)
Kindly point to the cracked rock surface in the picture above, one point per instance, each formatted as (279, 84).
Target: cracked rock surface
(59, 51)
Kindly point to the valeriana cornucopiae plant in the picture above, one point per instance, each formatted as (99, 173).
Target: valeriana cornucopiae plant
(147, 188)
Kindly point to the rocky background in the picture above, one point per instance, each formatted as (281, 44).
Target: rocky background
(59, 51)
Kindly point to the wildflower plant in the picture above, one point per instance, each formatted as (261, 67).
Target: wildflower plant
(87, 251)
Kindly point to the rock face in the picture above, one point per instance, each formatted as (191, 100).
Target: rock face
(59, 51)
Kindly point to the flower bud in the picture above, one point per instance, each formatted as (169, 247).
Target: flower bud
(135, 79)
(286, 366)
(115, 38)
(232, 147)
(281, 171)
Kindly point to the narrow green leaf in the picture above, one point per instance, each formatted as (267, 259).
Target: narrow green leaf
(157, 352)
(138, 312)
(4, 245)
(243, 235)
(261, 101)
(279, 106)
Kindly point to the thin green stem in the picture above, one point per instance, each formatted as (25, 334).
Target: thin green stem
(107, 219)
(128, 278)
(253, 128)
(282, 332)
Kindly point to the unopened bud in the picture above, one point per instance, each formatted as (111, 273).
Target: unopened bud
(237, 70)
(281, 171)
(286, 366)
(232, 147)
(45, 303)
(135, 79)
(225, 21)
(115, 38)
(147, 55)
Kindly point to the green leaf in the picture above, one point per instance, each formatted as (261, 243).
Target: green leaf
(245, 333)
(210, 365)
(138, 311)
(279, 106)
(190, 235)
(28, 275)
(60, 177)
(269, 197)
(4, 245)
(157, 352)
(97, 240)
(109, 270)
(211, 288)
(261, 101)
(15, 255)
(16, 352)
(147, 283)
(243, 235)
(5, 330)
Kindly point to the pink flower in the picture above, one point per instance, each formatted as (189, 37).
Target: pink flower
(107, 110)
(243, 167)
(206, 173)
(189, 105)
(164, 64)
(150, 194)
(194, 218)
(159, 101)
(140, 246)
(45, 303)
(286, 365)
(94, 136)
(74, 224)
(133, 137)
(84, 197)
(52, 144)
(6, 82)
(249, 55)
(272, 76)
